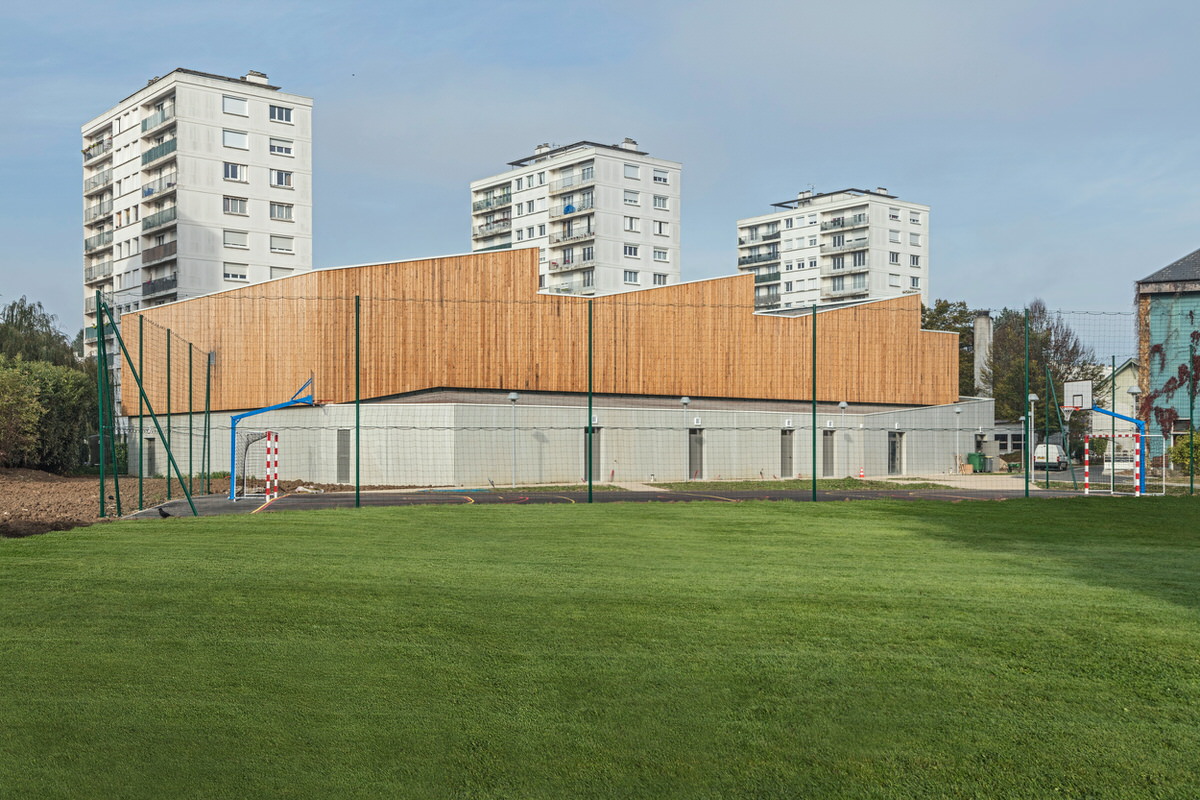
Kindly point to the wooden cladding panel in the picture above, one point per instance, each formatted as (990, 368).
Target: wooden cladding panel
(477, 321)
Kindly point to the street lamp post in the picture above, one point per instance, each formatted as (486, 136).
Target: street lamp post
(512, 398)
(685, 401)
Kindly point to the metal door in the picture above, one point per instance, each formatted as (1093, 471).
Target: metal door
(695, 453)
(787, 453)
(343, 455)
(827, 445)
(895, 453)
(595, 454)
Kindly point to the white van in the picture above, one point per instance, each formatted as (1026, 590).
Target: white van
(1049, 456)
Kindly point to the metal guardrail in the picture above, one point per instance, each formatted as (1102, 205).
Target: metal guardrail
(97, 181)
(159, 150)
(158, 118)
(99, 240)
(571, 182)
(160, 185)
(492, 202)
(95, 272)
(160, 285)
(846, 223)
(160, 218)
(101, 209)
(758, 259)
(493, 228)
(97, 149)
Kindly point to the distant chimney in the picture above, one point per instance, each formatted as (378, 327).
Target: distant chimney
(254, 76)
(880, 190)
(541, 148)
(983, 348)
(804, 195)
(628, 144)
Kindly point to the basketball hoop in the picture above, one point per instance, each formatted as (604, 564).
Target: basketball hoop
(1068, 410)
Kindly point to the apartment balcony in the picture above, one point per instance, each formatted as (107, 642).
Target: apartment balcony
(766, 302)
(770, 277)
(96, 182)
(856, 244)
(97, 149)
(500, 201)
(99, 211)
(845, 223)
(571, 287)
(571, 182)
(571, 236)
(89, 333)
(492, 229)
(160, 285)
(575, 263)
(159, 151)
(769, 237)
(501, 246)
(845, 292)
(574, 208)
(159, 219)
(89, 302)
(98, 241)
(158, 118)
(828, 270)
(758, 259)
(160, 185)
(97, 272)
(159, 253)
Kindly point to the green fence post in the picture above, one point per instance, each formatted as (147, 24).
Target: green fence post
(111, 394)
(357, 401)
(169, 410)
(141, 416)
(1027, 467)
(100, 395)
(191, 406)
(208, 425)
(1112, 443)
(1192, 419)
(814, 403)
(591, 432)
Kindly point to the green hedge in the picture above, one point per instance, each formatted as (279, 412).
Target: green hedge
(46, 414)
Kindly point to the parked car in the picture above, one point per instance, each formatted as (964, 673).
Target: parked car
(1049, 456)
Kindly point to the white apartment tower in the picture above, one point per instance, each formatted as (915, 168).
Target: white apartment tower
(837, 247)
(605, 218)
(193, 184)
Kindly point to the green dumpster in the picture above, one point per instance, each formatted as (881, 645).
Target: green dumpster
(976, 461)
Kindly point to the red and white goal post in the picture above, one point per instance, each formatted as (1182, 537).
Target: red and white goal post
(240, 478)
(1130, 448)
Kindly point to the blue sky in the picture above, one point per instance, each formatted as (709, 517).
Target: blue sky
(1054, 141)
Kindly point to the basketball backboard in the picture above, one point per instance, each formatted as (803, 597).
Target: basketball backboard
(1078, 394)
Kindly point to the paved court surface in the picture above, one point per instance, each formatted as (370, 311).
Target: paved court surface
(216, 505)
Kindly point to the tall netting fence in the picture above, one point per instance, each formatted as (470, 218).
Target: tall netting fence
(690, 392)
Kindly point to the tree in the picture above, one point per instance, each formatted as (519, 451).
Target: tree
(20, 412)
(57, 408)
(945, 315)
(1053, 345)
(29, 333)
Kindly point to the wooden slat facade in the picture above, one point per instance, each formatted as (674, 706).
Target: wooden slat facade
(477, 321)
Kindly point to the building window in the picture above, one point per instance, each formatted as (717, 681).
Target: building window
(660, 228)
(237, 239)
(914, 218)
(859, 281)
(235, 205)
(631, 198)
(568, 255)
(894, 236)
(893, 258)
(914, 239)
(631, 224)
(894, 214)
(589, 277)
(236, 272)
(520, 234)
(787, 286)
(281, 179)
(529, 232)
(839, 262)
(812, 263)
(632, 171)
(660, 279)
(281, 147)
(520, 184)
(812, 219)
(235, 105)
(894, 280)
(914, 261)
(839, 240)
(589, 253)
(238, 139)
(281, 114)
(859, 259)
(631, 276)
(812, 241)
(660, 176)
(631, 250)
(914, 282)
(542, 229)
(787, 223)
(281, 211)
(787, 265)
(660, 254)
(660, 201)
(587, 172)
(839, 283)
(541, 179)
(236, 172)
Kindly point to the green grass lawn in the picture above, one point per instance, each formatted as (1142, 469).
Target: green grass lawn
(1023, 649)
(799, 484)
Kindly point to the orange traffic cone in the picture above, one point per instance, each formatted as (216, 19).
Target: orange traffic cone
(861, 474)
